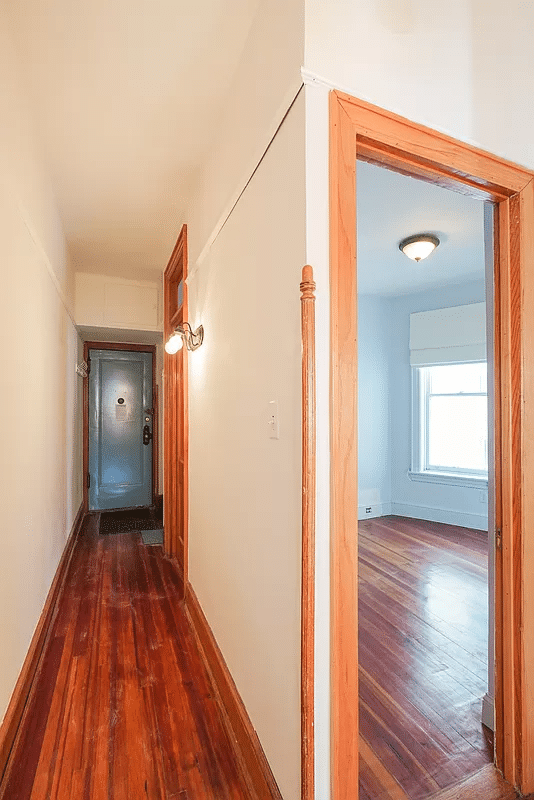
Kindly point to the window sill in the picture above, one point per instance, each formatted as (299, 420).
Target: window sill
(450, 479)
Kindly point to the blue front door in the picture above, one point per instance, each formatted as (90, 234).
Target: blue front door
(120, 429)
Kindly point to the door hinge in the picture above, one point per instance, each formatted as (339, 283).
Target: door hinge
(498, 539)
(88, 480)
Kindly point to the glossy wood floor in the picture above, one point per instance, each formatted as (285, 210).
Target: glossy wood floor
(423, 657)
(122, 708)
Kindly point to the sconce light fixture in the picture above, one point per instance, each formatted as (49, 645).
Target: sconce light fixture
(419, 246)
(184, 334)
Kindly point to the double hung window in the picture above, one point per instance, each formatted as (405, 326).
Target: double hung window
(450, 422)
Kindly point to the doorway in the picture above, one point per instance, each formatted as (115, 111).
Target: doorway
(422, 485)
(359, 130)
(120, 426)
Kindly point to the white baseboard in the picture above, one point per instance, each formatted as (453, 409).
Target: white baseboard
(377, 510)
(432, 514)
(488, 712)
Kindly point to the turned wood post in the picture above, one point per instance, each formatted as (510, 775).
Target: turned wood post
(307, 288)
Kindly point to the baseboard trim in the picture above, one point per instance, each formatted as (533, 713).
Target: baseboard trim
(461, 518)
(488, 712)
(249, 752)
(23, 686)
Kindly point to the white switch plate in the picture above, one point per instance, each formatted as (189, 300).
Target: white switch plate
(274, 430)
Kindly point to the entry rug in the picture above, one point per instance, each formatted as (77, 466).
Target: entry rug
(136, 519)
(152, 537)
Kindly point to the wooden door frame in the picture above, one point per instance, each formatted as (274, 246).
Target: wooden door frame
(138, 348)
(359, 130)
(176, 413)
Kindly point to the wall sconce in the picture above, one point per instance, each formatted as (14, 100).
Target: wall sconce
(82, 368)
(184, 334)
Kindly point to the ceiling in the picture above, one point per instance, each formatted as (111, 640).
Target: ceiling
(390, 207)
(126, 95)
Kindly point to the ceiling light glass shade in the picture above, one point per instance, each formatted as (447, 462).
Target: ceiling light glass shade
(174, 343)
(419, 247)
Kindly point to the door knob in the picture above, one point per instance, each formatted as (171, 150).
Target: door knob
(147, 435)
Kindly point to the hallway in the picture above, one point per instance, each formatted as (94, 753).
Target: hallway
(122, 706)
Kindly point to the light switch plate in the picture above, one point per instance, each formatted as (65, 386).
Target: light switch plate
(274, 430)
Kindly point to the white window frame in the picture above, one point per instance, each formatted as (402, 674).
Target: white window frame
(420, 470)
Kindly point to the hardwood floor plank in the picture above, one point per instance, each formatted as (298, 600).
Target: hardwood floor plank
(122, 707)
(423, 658)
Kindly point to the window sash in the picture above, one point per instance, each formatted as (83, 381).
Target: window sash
(421, 394)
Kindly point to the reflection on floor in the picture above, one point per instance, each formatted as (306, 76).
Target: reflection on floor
(423, 623)
(122, 707)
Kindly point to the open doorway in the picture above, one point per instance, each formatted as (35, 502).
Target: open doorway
(425, 649)
(361, 131)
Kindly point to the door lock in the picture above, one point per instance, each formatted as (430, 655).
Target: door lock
(147, 435)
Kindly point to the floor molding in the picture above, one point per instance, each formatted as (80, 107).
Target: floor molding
(254, 764)
(463, 519)
(21, 692)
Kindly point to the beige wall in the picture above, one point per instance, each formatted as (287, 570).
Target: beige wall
(121, 303)
(265, 83)
(40, 471)
(245, 549)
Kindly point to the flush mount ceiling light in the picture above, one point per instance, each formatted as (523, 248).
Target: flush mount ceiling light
(419, 246)
(184, 334)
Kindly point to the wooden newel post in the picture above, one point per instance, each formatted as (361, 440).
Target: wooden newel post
(307, 288)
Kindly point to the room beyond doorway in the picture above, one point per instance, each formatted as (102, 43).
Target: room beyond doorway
(423, 445)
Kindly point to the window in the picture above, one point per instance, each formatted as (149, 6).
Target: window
(450, 425)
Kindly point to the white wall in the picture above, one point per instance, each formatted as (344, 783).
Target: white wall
(455, 505)
(245, 488)
(375, 395)
(464, 67)
(40, 471)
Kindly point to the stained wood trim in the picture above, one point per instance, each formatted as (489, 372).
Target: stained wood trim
(137, 348)
(442, 159)
(248, 751)
(358, 129)
(344, 459)
(176, 415)
(524, 558)
(21, 692)
(307, 288)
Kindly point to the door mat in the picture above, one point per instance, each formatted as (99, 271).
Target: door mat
(135, 519)
(152, 537)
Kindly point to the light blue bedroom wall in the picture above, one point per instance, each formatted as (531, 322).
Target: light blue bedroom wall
(441, 503)
(374, 439)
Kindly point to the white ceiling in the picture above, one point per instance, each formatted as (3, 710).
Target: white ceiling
(390, 207)
(126, 95)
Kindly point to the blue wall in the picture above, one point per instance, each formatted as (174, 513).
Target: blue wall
(374, 437)
(384, 415)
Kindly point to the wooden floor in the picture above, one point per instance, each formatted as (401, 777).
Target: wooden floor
(423, 657)
(122, 708)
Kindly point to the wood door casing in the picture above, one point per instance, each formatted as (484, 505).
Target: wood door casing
(176, 427)
(359, 130)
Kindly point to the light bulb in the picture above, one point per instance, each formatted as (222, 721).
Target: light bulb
(173, 344)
